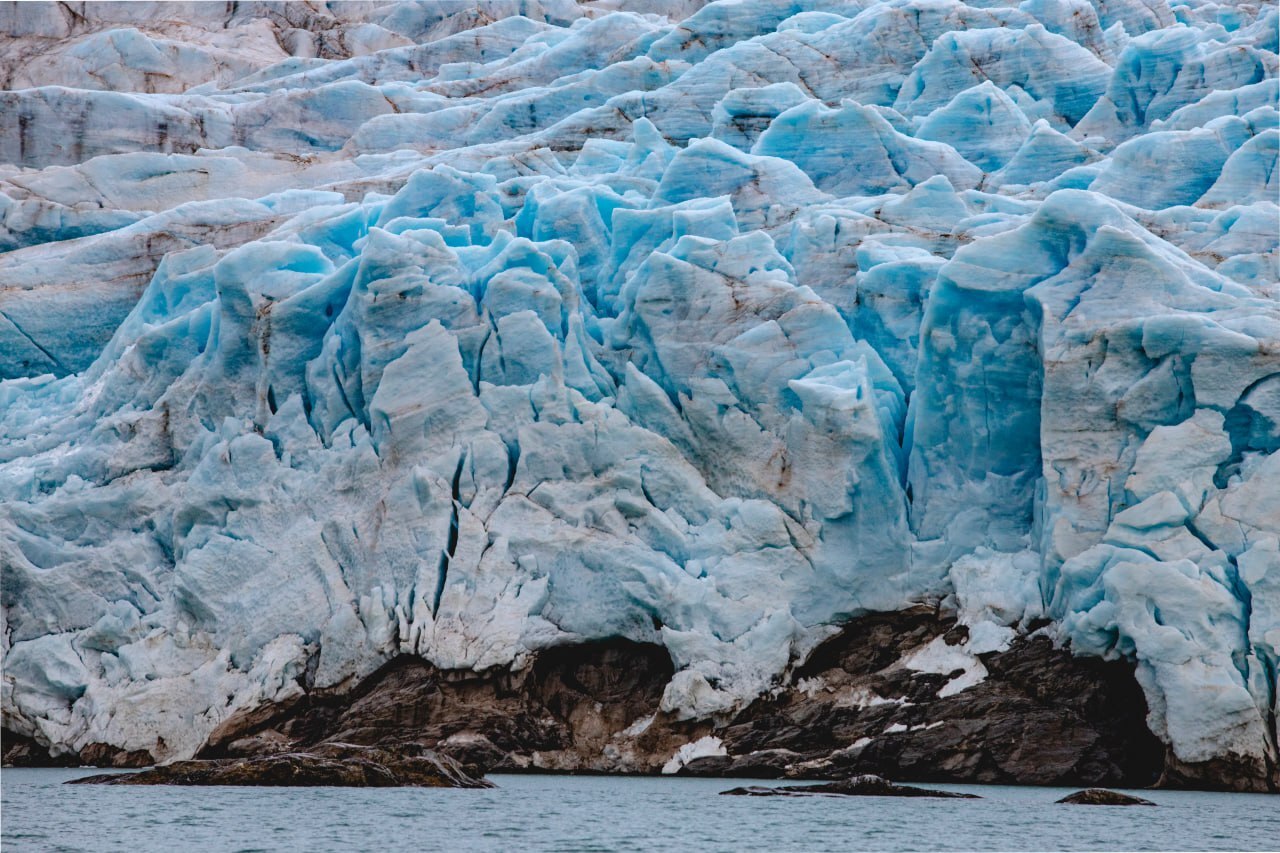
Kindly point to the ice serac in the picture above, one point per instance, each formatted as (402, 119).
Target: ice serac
(336, 333)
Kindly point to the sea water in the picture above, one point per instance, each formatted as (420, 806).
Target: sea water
(597, 813)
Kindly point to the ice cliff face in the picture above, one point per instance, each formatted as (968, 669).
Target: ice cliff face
(335, 332)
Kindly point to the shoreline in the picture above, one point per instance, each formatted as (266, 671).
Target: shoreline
(908, 695)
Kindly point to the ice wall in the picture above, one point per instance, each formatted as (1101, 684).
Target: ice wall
(412, 329)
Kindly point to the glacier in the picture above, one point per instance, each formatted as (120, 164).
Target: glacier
(335, 332)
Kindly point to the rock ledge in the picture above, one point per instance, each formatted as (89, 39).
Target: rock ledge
(855, 786)
(1103, 797)
(328, 765)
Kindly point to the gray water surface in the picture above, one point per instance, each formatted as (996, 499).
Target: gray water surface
(585, 813)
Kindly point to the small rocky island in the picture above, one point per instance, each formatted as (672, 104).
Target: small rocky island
(327, 765)
(1103, 797)
(855, 786)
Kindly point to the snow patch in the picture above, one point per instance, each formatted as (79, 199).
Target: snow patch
(701, 748)
(941, 659)
(639, 727)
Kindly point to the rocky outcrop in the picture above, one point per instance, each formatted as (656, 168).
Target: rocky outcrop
(872, 700)
(328, 765)
(1103, 797)
(574, 709)
(868, 701)
(1227, 773)
(855, 786)
(22, 751)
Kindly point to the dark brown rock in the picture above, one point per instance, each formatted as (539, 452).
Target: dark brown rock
(328, 765)
(1103, 797)
(764, 764)
(855, 786)
(1227, 773)
(250, 720)
(22, 751)
(106, 755)
(1041, 716)
(474, 752)
(265, 742)
(711, 766)
(565, 712)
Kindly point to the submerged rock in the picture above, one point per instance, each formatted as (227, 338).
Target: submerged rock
(856, 786)
(329, 765)
(1103, 797)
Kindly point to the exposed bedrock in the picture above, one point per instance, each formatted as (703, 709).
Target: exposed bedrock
(903, 695)
(1103, 797)
(326, 765)
(855, 786)
(567, 711)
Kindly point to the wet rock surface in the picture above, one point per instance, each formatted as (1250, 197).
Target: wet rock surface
(1103, 797)
(328, 765)
(855, 786)
(1039, 716)
(568, 711)
(21, 751)
(1227, 773)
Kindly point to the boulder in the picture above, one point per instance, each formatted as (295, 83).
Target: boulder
(328, 765)
(854, 786)
(1103, 797)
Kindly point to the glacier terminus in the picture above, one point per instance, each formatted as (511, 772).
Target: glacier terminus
(335, 335)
